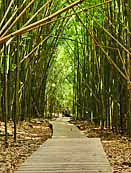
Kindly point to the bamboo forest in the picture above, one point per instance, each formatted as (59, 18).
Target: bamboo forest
(72, 54)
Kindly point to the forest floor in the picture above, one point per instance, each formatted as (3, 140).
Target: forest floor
(30, 135)
(117, 147)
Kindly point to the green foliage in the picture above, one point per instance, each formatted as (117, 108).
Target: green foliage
(61, 82)
(27, 36)
(76, 61)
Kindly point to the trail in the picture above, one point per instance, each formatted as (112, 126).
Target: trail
(69, 151)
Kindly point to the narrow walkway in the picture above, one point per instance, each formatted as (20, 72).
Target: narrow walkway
(68, 151)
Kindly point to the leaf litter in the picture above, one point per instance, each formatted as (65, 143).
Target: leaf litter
(30, 135)
(116, 146)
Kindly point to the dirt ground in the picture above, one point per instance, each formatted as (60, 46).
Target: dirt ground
(117, 147)
(29, 137)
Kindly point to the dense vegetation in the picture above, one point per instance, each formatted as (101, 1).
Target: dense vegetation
(53, 55)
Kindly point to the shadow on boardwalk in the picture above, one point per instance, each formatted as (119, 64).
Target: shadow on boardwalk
(68, 151)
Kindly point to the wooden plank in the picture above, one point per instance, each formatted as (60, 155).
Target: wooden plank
(65, 171)
(69, 154)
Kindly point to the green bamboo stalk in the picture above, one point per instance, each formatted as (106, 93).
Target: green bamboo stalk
(40, 23)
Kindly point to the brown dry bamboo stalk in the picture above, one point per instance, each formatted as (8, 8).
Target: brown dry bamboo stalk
(40, 22)
(114, 64)
(123, 63)
(54, 20)
(6, 13)
(95, 6)
(109, 58)
(38, 11)
(8, 22)
(115, 48)
(34, 49)
(108, 33)
(82, 10)
(103, 50)
(18, 17)
(11, 18)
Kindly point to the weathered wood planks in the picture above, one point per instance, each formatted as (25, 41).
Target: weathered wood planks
(68, 152)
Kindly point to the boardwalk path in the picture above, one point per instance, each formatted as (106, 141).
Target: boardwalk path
(68, 151)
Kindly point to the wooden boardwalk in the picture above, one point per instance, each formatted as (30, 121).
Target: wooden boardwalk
(68, 151)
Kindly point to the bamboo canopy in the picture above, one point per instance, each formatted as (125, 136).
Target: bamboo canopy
(39, 23)
(57, 54)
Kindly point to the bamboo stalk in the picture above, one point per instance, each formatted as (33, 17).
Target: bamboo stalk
(8, 22)
(34, 49)
(6, 13)
(116, 40)
(40, 22)
(73, 14)
(108, 57)
(18, 17)
(38, 11)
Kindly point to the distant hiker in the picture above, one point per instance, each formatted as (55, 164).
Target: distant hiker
(66, 112)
